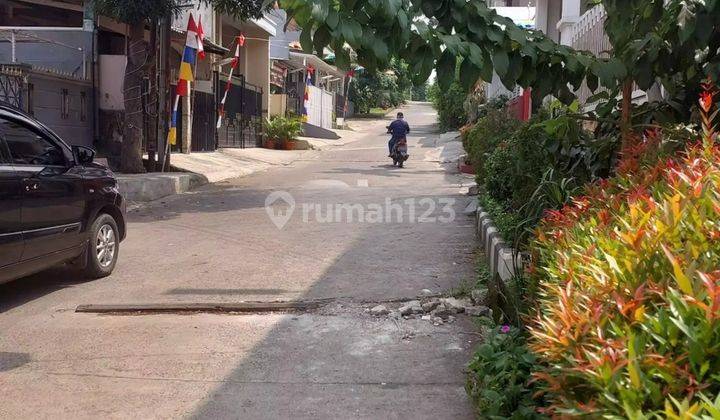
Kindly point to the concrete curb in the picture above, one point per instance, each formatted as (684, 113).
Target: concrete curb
(149, 187)
(499, 254)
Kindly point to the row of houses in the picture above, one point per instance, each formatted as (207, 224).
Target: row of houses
(64, 64)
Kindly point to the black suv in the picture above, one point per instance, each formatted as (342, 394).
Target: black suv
(56, 205)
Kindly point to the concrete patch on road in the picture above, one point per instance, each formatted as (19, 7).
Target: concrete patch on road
(153, 186)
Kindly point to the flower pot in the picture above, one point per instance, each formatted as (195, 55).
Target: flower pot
(289, 145)
(269, 143)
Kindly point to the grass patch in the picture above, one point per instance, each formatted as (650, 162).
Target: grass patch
(375, 113)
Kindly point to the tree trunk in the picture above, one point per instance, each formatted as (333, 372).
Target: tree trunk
(626, 117)
(151, 99)
(131, 152)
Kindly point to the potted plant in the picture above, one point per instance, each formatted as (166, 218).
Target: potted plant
(280, 132)
(291, 129)
(272, 133)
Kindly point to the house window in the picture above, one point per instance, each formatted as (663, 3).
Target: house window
(83, 106)
(65, 105)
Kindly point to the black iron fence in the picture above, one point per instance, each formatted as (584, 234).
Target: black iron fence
(13, 85)
(242, 123)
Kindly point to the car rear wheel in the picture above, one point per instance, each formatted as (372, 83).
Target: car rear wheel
(103, 247)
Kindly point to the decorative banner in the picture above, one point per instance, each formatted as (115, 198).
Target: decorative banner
(240, 41)
(306, 100)
(186, 75)
(188, 59)
(201, 39)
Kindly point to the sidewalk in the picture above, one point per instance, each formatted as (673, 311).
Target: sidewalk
(196, 169)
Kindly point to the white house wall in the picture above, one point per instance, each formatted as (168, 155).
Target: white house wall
(320, 107)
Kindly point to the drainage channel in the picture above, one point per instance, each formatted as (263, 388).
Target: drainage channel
(193, 308)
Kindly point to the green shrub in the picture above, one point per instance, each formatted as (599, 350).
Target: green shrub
(495, 126)
(381, 88)
(449, 105)
(419, 92)
(505, 220)
(629, 314)
(282, 128)
(540, 166)
(499, 377)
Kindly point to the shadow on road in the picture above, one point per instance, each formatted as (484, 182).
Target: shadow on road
(10, 361)
(27, 289)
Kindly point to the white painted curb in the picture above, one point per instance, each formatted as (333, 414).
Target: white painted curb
(499, 255)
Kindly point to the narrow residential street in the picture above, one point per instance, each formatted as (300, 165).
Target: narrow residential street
(218, 244)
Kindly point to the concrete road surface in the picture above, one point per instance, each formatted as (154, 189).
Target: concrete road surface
(359, 232)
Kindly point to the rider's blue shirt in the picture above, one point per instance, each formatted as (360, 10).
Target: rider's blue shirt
(399, 129)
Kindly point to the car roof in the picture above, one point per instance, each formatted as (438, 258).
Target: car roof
(16, 112)
(10, 108)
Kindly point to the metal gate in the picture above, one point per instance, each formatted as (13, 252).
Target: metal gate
(242, 122)
(203, 130)
(12, 86)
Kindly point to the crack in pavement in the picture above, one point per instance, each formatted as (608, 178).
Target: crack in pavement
(237, 308)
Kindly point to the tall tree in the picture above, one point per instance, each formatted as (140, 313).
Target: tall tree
(137, 14)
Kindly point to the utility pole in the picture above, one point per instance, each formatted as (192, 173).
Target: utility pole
(150, 104)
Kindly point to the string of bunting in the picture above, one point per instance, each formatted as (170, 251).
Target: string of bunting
(239, 42)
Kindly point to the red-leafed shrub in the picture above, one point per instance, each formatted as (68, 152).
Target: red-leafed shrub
(629, 302)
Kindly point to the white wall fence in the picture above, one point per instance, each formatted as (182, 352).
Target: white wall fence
(588, 34)
(320, 107)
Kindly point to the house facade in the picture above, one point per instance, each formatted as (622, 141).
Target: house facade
(46, 66)
(304, 84)
(61, 62)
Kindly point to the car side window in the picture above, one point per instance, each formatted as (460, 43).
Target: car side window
(4, 153)
(28, 147)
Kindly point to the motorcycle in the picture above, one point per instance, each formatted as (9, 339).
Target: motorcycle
(400, 152)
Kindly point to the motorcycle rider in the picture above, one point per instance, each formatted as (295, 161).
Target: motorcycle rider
(399, 129)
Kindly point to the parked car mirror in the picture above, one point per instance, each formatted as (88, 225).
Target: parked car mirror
(83, 154)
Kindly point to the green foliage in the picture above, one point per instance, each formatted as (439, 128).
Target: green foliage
(516, 167)
(136, 11)
(131, 11)
(282, 128)
(505, 219)
(420, 92)
(527, 168)
(499, 377)
(381, 89)
(629, 309)
(240, 9)
(449, 105)
(493, 127)
(674, 42)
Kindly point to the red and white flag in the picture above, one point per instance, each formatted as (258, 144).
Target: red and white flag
(201, 39)
(240, 41)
